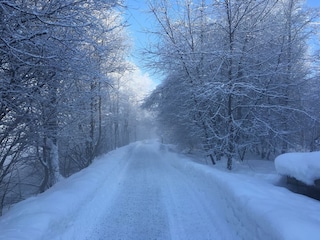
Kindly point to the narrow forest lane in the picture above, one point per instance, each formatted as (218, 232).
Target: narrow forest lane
(155, 200)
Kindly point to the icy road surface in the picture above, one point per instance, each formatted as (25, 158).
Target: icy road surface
(154, 200)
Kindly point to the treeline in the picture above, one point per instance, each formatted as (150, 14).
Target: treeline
(62, 100)
(242, 76)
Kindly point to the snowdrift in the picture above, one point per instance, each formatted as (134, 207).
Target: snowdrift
(304, 167)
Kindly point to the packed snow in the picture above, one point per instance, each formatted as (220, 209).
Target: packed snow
(146, 191)
(304, 167)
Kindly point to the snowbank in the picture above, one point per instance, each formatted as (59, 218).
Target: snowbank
(257, 209)
(302, 166)
(60, 210)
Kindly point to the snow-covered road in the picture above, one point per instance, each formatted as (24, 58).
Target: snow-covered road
(144, 191)
(155, 200)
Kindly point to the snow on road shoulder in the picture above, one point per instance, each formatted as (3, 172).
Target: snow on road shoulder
(302, 166)
(256, 208)
(54, 212)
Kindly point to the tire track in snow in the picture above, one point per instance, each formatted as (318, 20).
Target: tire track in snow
(137, 209)
(157, 200)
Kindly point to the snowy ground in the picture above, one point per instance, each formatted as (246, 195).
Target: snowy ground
(144, 191)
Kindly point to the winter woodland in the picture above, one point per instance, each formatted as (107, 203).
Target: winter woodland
(240, 77)
(64, 92)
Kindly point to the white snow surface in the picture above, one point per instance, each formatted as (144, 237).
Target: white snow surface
(145, 191)
(304, 166)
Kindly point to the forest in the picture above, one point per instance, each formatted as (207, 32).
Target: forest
(65, 93)
(240, 77)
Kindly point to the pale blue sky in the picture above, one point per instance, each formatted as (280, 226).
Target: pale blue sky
(139, 21)
(313, 3)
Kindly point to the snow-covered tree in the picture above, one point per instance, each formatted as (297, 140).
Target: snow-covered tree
(234, 70)
(54, 56)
